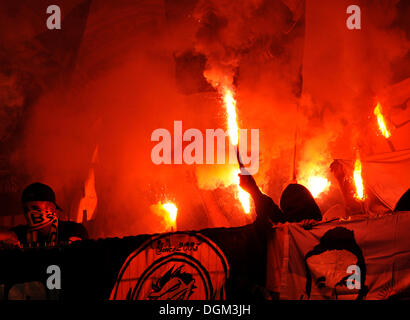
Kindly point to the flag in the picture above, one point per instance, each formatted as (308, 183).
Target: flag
(363, 259)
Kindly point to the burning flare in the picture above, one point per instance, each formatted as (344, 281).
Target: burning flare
(357, 177)
(313, 175)
(243, 196)
(230, 105)
(380, 120)
(233, 132)
(172, 211)
(316, 185)
(168, 211)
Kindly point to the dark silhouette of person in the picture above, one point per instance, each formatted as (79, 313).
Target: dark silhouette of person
(296, 203)
(43, 227)
(404, 202)
(326, 267)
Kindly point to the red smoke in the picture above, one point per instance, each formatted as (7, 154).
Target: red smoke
(141, 65)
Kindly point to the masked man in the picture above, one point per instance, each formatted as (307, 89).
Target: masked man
(43, 225)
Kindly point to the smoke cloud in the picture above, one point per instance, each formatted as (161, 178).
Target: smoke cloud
(299, 76)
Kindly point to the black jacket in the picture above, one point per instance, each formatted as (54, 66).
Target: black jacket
(66, 230)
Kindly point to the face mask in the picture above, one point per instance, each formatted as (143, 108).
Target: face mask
(42, 222)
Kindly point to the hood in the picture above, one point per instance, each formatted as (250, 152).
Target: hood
(298, 204)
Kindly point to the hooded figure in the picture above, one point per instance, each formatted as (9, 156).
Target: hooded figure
(296, 203)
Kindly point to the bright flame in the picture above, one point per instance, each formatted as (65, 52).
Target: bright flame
(317, 185)
(230, 105)
(172, 211)
(313, 175)
(168, 211)
(380, 120)
(233, 132)
(243, 196)
(358, 181)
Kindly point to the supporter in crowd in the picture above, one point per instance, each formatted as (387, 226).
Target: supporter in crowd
(43, 227)
(296, 204)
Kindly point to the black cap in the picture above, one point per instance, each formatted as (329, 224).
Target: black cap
(39, 192)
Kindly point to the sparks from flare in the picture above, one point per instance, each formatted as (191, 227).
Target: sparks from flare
(357, 178)
(381, 122)
(233, 132)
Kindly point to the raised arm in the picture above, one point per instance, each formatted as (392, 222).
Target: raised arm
(352, 204)
(267, 212)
